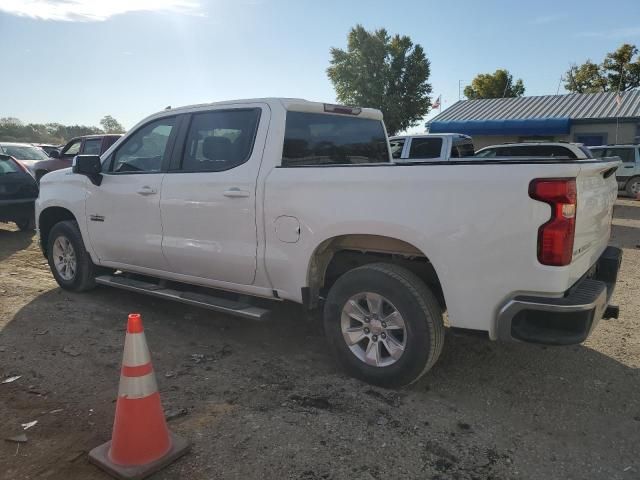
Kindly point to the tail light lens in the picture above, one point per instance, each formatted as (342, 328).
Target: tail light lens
(555, 237)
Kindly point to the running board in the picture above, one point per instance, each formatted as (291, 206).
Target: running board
(222, 305)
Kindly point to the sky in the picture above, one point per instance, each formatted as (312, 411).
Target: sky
(74, 61)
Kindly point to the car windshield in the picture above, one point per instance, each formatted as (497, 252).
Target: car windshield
(7, 165)
(24, 152)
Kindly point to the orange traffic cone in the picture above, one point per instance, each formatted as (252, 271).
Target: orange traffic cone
(141, 443)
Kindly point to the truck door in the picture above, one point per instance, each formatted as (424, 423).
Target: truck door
(209, 200)
(123, 213)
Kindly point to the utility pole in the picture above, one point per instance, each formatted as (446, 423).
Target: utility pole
(559, 82)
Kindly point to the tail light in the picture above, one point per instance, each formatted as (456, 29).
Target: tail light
(555, 237)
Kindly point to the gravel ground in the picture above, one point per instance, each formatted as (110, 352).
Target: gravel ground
(267, 401)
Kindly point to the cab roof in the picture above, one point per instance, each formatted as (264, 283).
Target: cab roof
(289, 104)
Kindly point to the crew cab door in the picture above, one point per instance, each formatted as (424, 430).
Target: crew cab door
(209, 194)
(123, 213)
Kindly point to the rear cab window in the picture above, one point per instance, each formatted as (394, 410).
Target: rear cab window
(314, 139)
(462, 148)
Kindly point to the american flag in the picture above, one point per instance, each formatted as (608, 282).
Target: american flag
(619, 100)
(436, 104)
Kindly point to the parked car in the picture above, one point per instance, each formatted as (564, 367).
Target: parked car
(231, 205)
(48, 148)
(25, 153)
(431, 147)
(628, 175)
(570, 151)
(18, 193)
(85, 145)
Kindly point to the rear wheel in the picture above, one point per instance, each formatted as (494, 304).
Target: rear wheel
(633, 187)
(384, 324)
(69, 261)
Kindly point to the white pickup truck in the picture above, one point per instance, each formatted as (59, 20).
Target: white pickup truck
(235, 205)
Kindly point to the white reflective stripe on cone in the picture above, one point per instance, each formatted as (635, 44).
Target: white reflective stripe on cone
(137, 387)
(136, 352)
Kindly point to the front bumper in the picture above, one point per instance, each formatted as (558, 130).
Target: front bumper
(566, 320)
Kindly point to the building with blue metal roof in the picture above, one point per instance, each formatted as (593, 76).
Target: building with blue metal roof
(590, 118)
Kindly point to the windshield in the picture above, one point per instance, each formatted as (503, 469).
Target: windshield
(25, 152)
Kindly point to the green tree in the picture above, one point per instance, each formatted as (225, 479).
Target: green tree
(111, 125)
(618, 71)
(494, 85)
(13, 130)
(585, 78)
(384, 72)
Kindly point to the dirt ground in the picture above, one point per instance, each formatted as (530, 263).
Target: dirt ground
(267, 401)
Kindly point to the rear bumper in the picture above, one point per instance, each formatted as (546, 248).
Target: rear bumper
(566, 320)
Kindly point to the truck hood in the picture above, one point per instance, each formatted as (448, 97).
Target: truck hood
(56, 176)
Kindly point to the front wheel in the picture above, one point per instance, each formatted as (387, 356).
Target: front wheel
(384, 324)
(69, 261)
(633, 187)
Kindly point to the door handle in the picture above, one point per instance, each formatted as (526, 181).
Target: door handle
(235, 192)
(147, 190)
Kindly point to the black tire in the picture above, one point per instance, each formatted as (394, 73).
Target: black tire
(84, 277)
(419, 308)
(26, 224)
(633, 183)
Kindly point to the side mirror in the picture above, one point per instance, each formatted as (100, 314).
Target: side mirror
(54, 154)
(88, 165)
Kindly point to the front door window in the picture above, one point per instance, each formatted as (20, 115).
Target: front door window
(144, 151)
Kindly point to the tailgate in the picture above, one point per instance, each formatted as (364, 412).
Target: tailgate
(597, 191)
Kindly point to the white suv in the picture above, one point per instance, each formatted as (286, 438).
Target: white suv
(573, 151)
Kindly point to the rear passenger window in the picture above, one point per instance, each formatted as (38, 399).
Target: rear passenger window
(92, 146)
(425, 148)
(322, 139)
(462, 149)
(220, 140)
